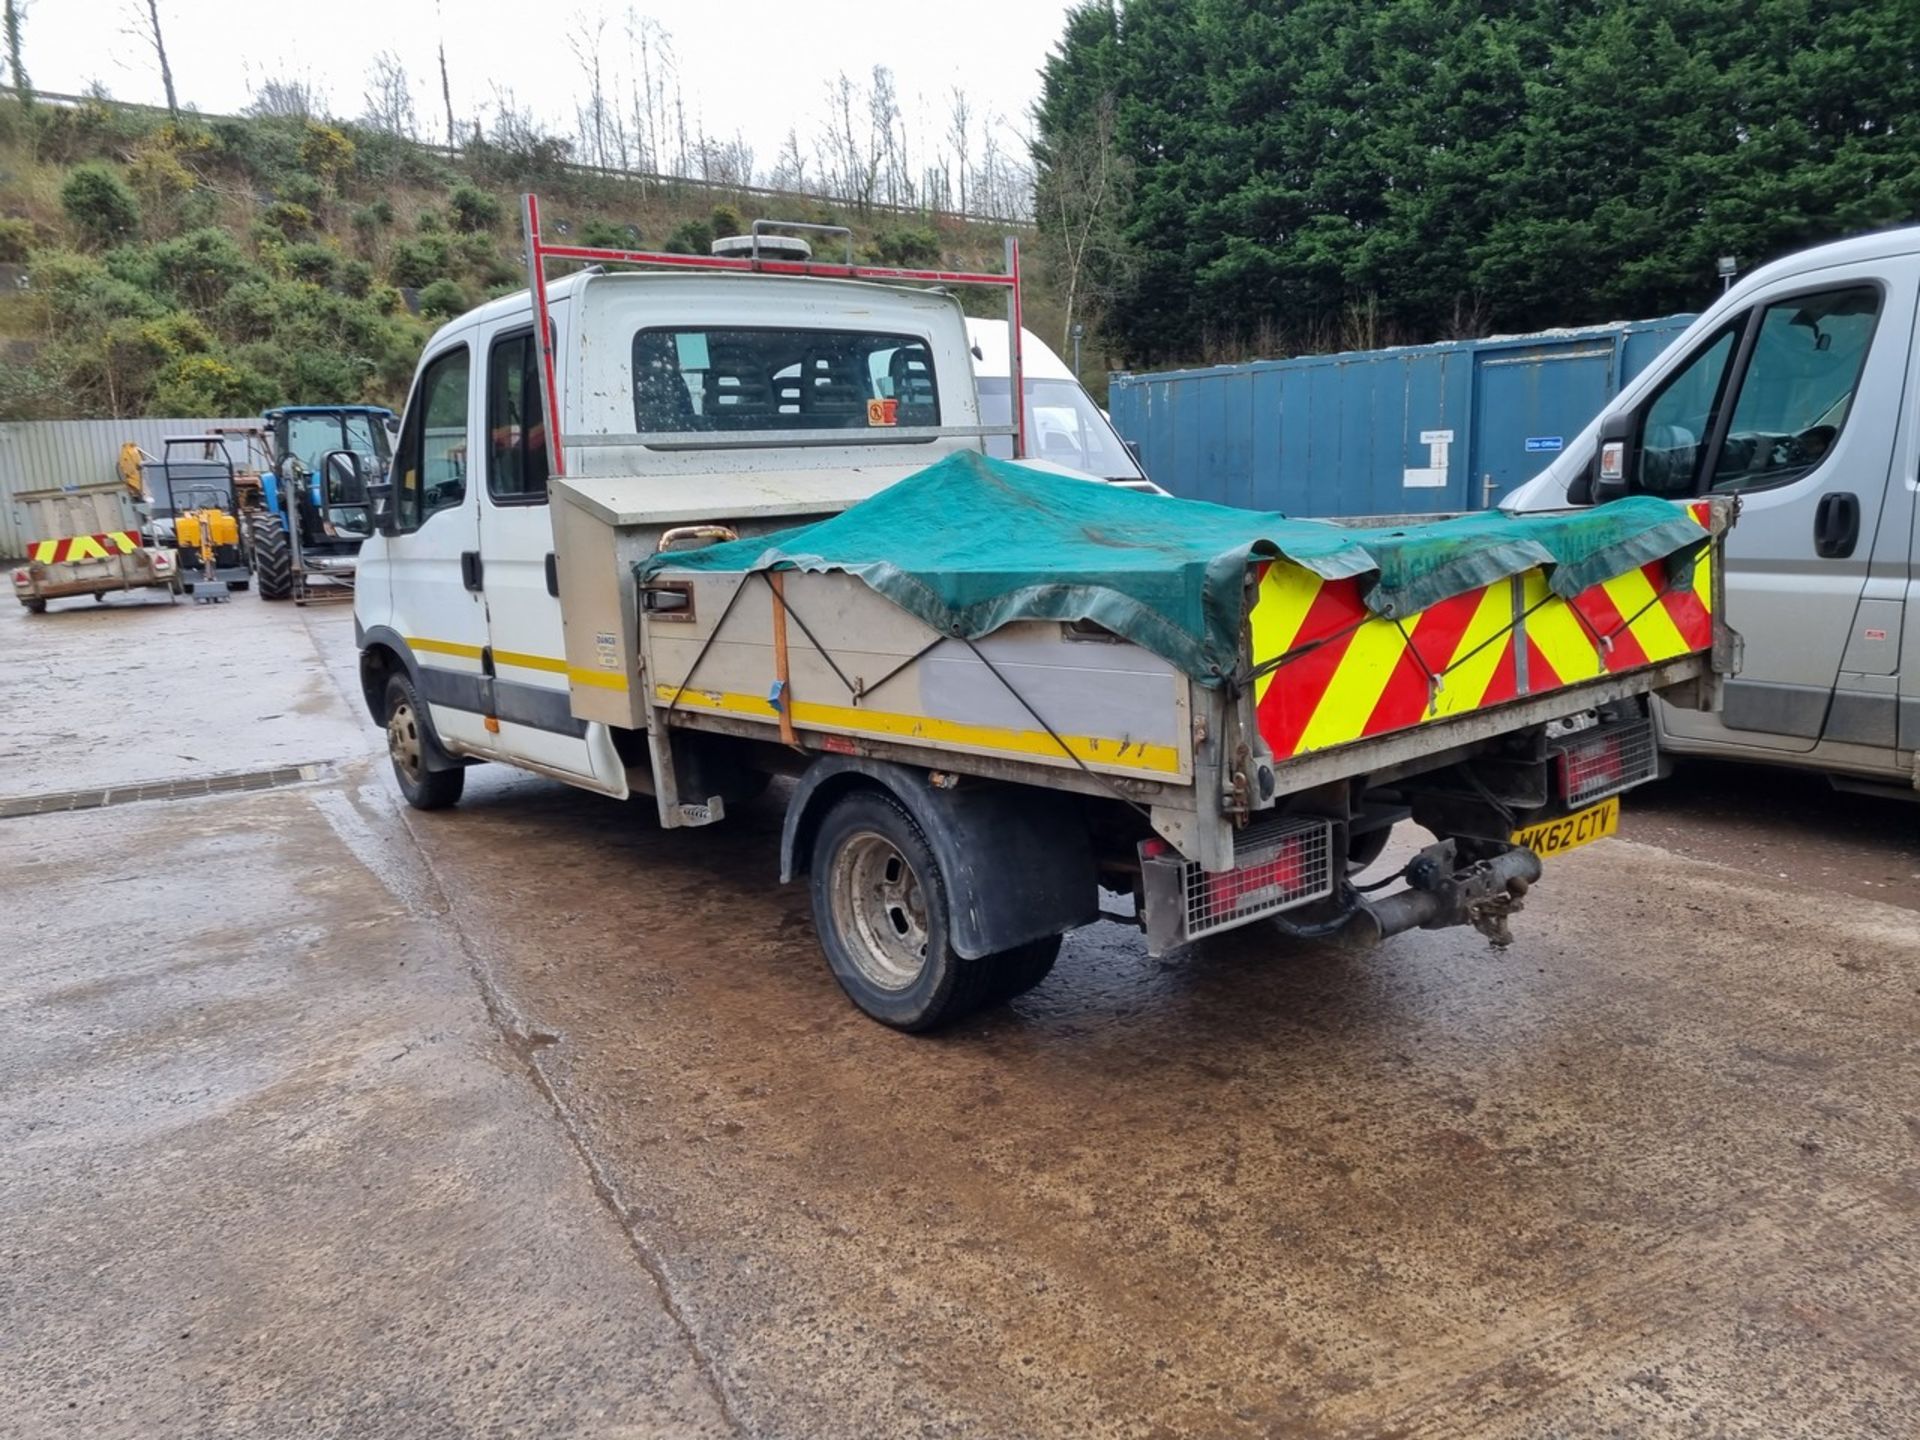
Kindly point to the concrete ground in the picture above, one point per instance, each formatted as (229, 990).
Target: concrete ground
(320, 1116)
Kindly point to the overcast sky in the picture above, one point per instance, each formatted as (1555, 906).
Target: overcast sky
(749, 66)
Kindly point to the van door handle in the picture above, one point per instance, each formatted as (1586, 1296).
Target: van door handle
(553, 575)
(1836, 525)
(470, 572)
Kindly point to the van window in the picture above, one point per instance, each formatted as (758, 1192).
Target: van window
(1680, 417)
(1808, 353)
(516, 432)
(1063, 425)
(694, 380)
(433, 452)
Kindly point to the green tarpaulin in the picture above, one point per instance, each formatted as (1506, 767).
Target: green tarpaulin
(971, 544)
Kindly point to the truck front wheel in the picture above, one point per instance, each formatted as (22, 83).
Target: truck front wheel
(35, 607)
(409, 744)
(880, 905)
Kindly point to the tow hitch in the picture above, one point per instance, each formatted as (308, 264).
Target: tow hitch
(1441, 892)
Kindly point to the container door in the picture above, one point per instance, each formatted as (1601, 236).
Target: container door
(1798, 404)
(432, 557)
(1529, 404)
(531, 682)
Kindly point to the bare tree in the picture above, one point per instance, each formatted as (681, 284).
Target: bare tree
(960, 139)
(22, 87)
(1078, 200)
(592, 120)
(446, 87)
(389, 98)
(149, 30)
(790, 168)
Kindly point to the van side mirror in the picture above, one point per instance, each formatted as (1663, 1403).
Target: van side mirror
(356, 500)
(1609, 477)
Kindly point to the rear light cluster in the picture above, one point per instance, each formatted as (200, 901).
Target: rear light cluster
(1604, 760)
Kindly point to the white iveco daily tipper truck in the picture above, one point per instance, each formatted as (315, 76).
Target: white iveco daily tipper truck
(678, 530)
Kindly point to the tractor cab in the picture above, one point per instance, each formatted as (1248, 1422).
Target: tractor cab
(334, 511)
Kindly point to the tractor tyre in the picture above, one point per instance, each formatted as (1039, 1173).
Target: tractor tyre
(272, 557)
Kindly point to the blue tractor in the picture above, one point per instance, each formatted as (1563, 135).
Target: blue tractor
(312, 516)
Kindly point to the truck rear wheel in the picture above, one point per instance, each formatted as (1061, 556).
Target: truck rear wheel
(410, 744)
(272, 556)
(880, 905)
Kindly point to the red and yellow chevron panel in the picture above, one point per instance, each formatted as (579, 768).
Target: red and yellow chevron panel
(1353, 674)
(84, 547)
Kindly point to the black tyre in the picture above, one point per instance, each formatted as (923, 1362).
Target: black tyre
(410, 745)
(99, 596)
(880, 905)
(272, 556)
(35, 607)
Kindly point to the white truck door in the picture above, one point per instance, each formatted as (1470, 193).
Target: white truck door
(433, 555)
(531, 686)
(1794, 405)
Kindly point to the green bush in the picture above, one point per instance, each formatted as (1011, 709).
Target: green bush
(201, 266)
(431, 222)
(177, 333)
(356, 278)
(289, 219)
(444, 299)
(691, 237)
(205, 385)
(313, 262)
(610, 235)
(905, 245)
(16, 240)
(250, 310)
(725, 220)
(100, 205)
(83, 295)
(301, 188)
(476, 252)
(376, 216)
(420, 261)
(474, 209)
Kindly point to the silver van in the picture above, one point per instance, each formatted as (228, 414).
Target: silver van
(1799, 391)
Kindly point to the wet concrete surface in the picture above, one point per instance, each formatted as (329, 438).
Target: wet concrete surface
(531, 1116)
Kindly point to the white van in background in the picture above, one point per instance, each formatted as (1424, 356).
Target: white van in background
(1799, 391)
(1064, 426)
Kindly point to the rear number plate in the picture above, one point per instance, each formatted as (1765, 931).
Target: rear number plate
(1570, 832)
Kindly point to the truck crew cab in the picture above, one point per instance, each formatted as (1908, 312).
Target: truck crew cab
(1799, 393)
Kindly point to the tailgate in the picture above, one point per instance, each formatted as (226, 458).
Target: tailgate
(1329, 672)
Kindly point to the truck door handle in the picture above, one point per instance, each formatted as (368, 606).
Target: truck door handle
(1836, 525)
(470, 569)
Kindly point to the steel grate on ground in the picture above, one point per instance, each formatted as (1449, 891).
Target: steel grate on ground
(15, 807)
(1279, 863)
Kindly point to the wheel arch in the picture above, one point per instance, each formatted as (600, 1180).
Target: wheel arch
(1017, 862)
(385, 653)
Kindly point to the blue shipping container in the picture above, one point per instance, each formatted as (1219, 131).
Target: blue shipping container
(1421, 429)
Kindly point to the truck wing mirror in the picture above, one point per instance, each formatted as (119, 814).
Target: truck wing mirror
(1609, 476)
(349, 484)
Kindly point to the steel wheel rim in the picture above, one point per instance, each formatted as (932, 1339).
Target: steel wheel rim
(880, 910)
(403, 741)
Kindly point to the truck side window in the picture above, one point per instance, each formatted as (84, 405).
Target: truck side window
(516, 431)
(1808, 352)
(433, 453)
(1680, 418)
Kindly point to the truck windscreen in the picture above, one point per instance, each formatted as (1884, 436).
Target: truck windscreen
(694, 380)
